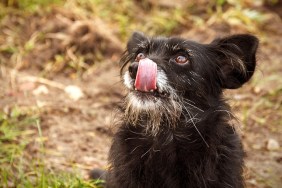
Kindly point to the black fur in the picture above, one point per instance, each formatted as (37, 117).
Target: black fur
(206, 152)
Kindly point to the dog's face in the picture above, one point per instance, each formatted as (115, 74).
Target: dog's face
(166, 76)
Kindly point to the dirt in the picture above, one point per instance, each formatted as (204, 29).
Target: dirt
(78, 133)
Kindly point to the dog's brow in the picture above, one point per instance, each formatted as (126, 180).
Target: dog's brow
(142, 45)
(189, 51)
(166, 45)
(176, 47)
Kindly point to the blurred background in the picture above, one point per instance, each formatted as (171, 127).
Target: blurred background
(60, 83)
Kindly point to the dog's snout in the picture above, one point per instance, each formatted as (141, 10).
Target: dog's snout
(133, 70)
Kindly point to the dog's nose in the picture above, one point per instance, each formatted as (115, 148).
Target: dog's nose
(133, 70)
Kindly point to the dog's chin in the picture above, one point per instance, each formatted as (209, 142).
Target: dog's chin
(151, 109)
(143, 101)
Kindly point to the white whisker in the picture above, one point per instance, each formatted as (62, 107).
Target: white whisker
(198, 130)
(145, 153)
(135, 149)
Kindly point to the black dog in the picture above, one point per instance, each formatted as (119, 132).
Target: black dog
(176, 129)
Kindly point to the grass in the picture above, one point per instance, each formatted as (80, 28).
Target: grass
(29, 5)
(16, 46)
(128, 16)
(20, 166)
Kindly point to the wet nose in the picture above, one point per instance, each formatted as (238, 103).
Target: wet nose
(133, 70)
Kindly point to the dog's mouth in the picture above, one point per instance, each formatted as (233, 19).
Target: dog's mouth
(149, 82)
(146, 80)
(161, 90)
(153, 93)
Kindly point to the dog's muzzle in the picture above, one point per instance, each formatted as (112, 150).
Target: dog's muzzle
(151, 99)
(145, 78)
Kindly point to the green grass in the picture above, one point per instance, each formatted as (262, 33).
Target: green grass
(128, 16)
(29, 5)
(20, 166)
(25, 6)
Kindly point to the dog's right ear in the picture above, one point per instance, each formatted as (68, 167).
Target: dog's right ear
(135, 39)
(236, 59)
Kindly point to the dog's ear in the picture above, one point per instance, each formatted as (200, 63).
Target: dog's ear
(135, 39)
(236, 59)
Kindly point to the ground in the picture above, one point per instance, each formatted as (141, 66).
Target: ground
(77, 133)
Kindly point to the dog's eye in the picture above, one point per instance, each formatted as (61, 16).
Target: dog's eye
(139, 57)
(181, 59)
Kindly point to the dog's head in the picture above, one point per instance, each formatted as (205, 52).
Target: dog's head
(166, 76)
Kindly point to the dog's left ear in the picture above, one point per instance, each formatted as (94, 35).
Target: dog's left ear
(236, 59)
(135, 39)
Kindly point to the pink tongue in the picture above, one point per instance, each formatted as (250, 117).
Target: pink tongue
(146, 78)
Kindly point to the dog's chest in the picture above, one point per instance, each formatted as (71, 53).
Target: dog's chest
(163, 159)
(166, 150)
